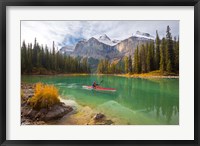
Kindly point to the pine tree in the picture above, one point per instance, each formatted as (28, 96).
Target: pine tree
(126, 64)
(130, 69)
(169, 51)
(54, 61)
(136, 61)
(23, 57)
(47, 60)
(106, 64)
(176, 55)
(58, 63)
(113, 68)
(37, 59)
(35, 53)
(162, 55)
(152, 56)
(85, 65)
(142, 56)
(157, 56)
(43, 58)
(100, 67)
(29, 59)
(169, 66)
(148, 58)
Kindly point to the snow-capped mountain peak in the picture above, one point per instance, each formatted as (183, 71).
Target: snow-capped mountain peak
(67, 49)
(106, 40)
(143, 35)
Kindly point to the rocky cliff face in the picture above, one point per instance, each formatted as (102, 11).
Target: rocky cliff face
(129, 45)
(95, 49)
(68, 49)
(105, 48)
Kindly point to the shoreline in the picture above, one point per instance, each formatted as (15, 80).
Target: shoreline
(145, 75)
(74, 113)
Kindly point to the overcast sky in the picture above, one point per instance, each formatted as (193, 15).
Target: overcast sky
(69, 32)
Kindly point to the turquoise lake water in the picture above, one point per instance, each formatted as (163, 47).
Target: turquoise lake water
(135, 102)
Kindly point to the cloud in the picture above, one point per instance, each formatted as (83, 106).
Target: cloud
(69, 32)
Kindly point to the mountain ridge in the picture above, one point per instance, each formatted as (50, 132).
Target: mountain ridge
(125, 46)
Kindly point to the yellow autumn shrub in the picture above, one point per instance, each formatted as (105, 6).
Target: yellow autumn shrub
(44, 97)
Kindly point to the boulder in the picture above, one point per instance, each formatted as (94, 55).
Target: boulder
(99, 116)
(100, 119)
(34, 116)
(55, 112)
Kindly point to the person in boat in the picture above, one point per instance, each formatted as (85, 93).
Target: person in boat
(94, 85)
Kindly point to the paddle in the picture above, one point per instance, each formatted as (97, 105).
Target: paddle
(100, 82)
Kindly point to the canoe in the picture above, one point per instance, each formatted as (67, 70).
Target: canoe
(99, 88)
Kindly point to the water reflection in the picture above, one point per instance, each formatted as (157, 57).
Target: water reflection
(159, 97)
(153, 98)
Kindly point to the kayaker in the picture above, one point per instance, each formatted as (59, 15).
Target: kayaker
(94, 85)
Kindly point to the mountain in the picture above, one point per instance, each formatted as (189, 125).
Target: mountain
(128, 46)
(95, 49)
(67, 49)
(144, 35)
(105, 48)
(106, 40)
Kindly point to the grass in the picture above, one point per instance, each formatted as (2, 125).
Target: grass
(156, 73)
(45, 96)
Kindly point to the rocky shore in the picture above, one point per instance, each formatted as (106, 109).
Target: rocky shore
(30, 116)
(59, 114)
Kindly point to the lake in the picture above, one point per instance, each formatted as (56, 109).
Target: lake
(136, 101)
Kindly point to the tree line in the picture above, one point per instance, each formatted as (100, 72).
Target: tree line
(161, 54)
(106, 67)
(38, 59)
